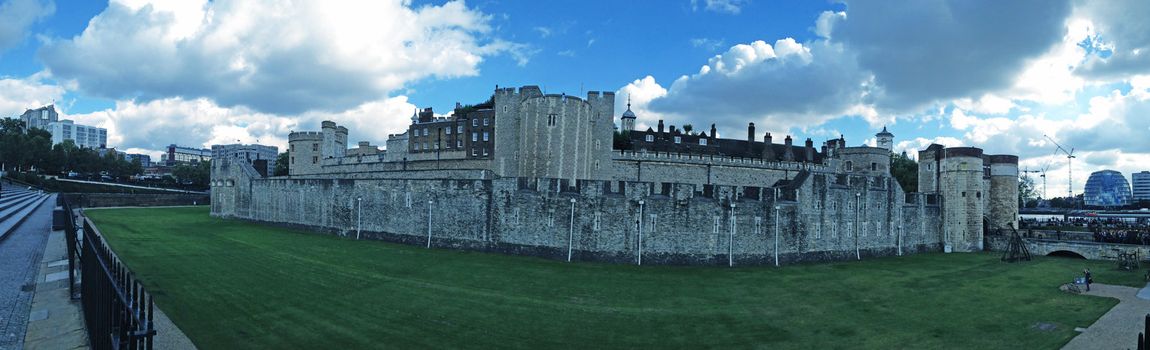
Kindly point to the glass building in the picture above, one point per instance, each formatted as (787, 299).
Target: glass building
(1106, 188)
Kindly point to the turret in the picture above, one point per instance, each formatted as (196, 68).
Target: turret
(884, 139)
(628, 118)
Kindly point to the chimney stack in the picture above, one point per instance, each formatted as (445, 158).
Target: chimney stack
(660, 126)
(810, 156)
(788, 152)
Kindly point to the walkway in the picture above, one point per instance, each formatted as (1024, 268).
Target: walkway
(20, 252)
(1118, 328)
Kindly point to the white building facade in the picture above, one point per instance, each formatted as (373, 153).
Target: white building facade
(83, 135)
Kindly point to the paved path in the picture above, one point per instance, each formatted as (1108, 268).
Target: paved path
(20, 254)
(1118, 328)
(56, 321)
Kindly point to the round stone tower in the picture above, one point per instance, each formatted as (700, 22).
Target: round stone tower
(304, 152)
(1003, 205)
(961, 186)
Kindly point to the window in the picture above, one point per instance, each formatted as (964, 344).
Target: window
(485, 136)
(447, 131)
(293, 148)
(425, 133)
(484, 121)
(596, 226)
(475, 122)
(654, 218)
(315, 147)
(715, 228)
(702, 142)
(850, 166)
(407, 199)
(596, 145)
(474, 137)
(504, 108)
(551, 119)
(314, 159)
(474, 152)
(650, 138)
(551, 219)
(459, 143)
(293, 160)
(873, 166)
(678, 139)
(758, 224)
(459, 128)
(484, 152)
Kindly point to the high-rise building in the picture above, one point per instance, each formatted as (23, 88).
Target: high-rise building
(252, 154)
(40, 117)
(1106, 188)
(82, 135)
(179, 154)
(1141, 182)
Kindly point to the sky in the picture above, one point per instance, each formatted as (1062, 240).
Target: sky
(1005, 76)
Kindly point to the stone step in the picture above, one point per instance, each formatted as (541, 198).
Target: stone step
(9, 221)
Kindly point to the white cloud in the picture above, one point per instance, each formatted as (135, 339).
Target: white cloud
(784, 85)
(923, 52)
(638, 94)
(22, 94)
(1123, 25)
(17, 15)
(259, 56)
(148, 127)
(721, 6)
(707, 43)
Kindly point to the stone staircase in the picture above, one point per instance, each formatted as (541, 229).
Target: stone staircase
(16, 203)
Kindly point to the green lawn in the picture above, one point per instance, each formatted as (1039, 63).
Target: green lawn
(233, 285)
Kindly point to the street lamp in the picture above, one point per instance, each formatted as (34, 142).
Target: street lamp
(731, 239)
(858, 202)
(640, 261)
(571, 233)
(429, 202)
(358, 217)
(777, 234)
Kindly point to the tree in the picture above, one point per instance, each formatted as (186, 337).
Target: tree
(281, 168)
(905, 171)
(195, 174)
(621, 140)
(1027, 196)
(687, 128)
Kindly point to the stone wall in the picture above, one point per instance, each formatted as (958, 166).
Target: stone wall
(101, 200)
(815, 217)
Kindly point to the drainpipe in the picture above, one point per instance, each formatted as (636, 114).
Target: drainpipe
(358, 217)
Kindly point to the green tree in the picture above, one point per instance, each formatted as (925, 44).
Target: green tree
(687, 128)
(281, 168)
(905, 171)
(621, 140)
(1027, 196)
(195, 174)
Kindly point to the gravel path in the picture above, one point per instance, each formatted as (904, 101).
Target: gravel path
(20, 255)
(1118, 328)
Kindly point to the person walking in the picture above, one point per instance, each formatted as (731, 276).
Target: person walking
(1089, 278)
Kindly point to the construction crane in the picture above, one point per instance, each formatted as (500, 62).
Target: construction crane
(1069, 166)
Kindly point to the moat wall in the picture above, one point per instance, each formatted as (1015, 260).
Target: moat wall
(819, 216)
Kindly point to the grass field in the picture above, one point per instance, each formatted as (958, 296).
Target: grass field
(235, 285)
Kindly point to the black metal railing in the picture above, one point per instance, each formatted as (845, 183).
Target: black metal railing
(117, 310)
(72, 242)
(1142, 336)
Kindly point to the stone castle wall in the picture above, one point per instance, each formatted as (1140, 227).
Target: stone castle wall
(820, 216)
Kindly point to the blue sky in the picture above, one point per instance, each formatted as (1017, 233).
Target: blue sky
(992, 74)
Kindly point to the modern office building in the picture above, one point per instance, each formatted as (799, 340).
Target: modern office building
(82, 135)
(253, 154)
(40, 117)
(145, 160)
(1141, 182)
(179, 154)
(1106, 188)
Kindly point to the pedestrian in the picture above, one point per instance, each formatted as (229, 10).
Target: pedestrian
(1089, 278)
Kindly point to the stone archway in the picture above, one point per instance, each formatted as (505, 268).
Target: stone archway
(1066, 254)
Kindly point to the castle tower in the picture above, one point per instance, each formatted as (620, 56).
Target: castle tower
(304, 152)
(885, 139)
(1002, 209)
(960, 183)
(928, 168)
(628, 118)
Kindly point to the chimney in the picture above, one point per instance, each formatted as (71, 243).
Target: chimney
(769, 149)
(750, 132)
(660, 126)
(788, 153)
(714, 133)
(671, 129)
(810, 157)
